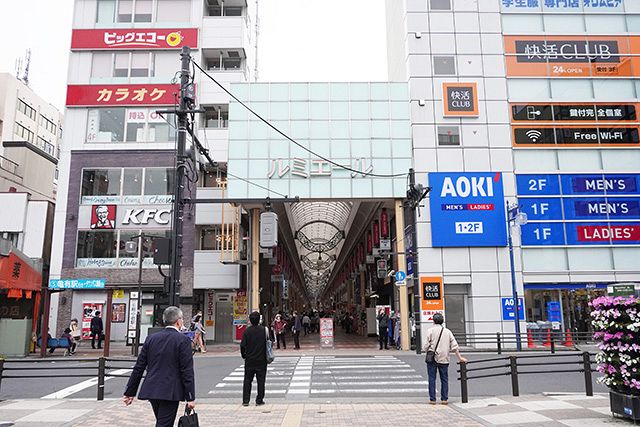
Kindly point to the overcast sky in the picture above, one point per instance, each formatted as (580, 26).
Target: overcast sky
(300, 40)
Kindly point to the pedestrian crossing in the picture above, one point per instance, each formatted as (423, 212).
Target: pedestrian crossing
(331, 376)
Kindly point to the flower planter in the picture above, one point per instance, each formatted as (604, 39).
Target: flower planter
(625, 405)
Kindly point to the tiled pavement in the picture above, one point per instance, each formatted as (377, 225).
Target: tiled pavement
(543, 410)
(530, 410)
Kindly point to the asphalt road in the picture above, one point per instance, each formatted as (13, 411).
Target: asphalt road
(378, 376)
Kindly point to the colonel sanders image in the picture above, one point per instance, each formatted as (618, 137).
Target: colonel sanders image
(103, 217)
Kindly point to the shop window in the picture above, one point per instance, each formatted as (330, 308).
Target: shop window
(96, 244)
(132, 182)
(158, 181)
(444, 65)
(129, 125)
(101, 182)
(110, 124)
(448, 135)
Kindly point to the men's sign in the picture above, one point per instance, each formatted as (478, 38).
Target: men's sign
(138, 38)
(581, 209)
(460, 99)
(467, 209)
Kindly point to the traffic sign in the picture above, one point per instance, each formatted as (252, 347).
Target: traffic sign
(400, 276)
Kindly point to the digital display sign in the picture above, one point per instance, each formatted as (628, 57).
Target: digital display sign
(580, 209)
(467, 209)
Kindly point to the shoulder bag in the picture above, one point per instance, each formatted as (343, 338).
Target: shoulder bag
(431, 354)
(189, 419)
(270, 356)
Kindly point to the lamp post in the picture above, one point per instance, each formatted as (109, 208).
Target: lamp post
(518, 218)
(131, 247)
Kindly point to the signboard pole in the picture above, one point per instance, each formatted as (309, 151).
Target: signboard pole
(402, 266)
(514, 290)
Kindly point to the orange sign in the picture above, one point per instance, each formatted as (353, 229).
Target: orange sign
(432, 293)
(16, 273)
(572, 56)
(460, 99)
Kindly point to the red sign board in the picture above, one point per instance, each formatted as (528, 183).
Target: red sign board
(124, 95)
(137, 38)
(277, 269)
(605, 233)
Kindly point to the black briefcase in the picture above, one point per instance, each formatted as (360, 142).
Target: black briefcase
(189, 419)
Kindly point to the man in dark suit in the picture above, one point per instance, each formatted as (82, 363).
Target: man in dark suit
(167, 357)
(253, 349)
(96, 330)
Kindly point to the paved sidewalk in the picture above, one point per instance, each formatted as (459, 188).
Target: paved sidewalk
(530, 410)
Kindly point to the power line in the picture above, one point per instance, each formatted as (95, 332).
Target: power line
(291, 139)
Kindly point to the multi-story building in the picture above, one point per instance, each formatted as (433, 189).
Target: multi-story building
(116, 165)
(536, 99)
(31, 136)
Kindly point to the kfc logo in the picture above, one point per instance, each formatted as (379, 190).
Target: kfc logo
(103, 217)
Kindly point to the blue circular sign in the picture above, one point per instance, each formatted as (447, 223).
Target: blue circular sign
(400, 276)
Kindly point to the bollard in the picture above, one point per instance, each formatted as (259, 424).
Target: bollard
(588, 382)
(101, 374)
(464, 390)
(515, 388)
(553, 344)
(1, 370)
(499, 342)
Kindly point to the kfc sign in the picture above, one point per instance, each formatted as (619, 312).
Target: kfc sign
(116, 39)
(143, 216)
(121, 95)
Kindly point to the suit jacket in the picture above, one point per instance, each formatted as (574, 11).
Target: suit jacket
(167, 357)
(253, 347)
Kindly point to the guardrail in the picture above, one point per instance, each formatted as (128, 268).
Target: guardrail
(544, 340)
(94, 368)
(509, 366)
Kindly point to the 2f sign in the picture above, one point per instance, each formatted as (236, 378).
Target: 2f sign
(537, 184)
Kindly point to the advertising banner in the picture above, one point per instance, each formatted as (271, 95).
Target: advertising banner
(124, 95)
(580, 209)
(326, 332)
(88, 311)
(572, 56)
(130, 39)
(508, 309)
(467, 209)
(432, 295)
(240, 313)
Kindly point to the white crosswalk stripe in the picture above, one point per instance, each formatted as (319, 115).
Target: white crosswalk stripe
(326, 376)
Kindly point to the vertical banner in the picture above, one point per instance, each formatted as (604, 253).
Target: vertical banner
(432, 294)
(326, 332)
(240, 314)
(88, 311)
(210, 313)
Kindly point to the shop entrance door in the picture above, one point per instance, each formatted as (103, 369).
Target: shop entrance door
(454, 316)
(224, 321)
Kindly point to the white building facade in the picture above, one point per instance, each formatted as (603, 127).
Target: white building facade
(117, 163)
(535, 103)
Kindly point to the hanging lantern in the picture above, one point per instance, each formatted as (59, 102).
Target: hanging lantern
(376, 234)
(384, 224)
(369, 243)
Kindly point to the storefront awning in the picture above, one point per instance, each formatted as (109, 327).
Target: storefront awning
(551, 286)
(18, 272)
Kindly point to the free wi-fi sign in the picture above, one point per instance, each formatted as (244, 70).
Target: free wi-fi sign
(527, 135)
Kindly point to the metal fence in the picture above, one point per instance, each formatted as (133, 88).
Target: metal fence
(514, 366)
(548, 340)
(65, 368)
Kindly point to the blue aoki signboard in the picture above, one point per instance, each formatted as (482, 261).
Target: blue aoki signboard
(508, 311)
(467, 209)
(77, 283)
(580, 209)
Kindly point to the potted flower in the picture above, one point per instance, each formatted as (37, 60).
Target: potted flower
(617, 324)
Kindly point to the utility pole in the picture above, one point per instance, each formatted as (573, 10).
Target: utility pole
(186, 104)
(415, 194)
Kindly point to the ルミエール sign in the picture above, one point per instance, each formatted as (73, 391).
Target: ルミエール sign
(460, 99)
(467, 209)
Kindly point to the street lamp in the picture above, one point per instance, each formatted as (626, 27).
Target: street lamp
(518, 218)
(131, 247)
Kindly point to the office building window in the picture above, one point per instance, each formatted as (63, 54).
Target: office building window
(101, 182)
(24, 133)
(48, 124)
(26, 109)
(96, 244)
(448, 135)
(444, 65)
(110, 11)
(158, 181)
(129, 125)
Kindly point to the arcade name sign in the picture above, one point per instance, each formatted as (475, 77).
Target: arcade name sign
(572, 56)
(138, 38)
(309, 168)
(112, 217)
